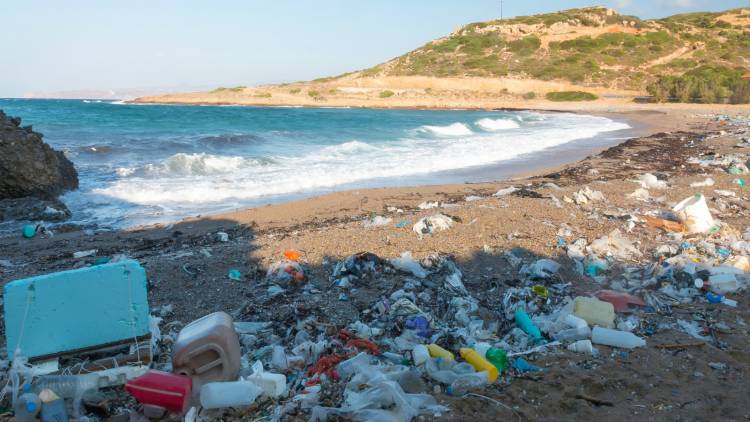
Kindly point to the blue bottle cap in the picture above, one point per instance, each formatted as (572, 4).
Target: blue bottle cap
(26, 388)
(31, 407)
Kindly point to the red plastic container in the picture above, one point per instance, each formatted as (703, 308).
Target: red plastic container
(162, 389)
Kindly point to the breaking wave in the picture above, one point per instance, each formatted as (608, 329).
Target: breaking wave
(456, 129)
(493, 125)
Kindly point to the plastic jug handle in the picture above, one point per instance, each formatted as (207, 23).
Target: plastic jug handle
(210, 365)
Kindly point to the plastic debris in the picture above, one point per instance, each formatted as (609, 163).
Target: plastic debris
(432, 224)
(407, 264)
(28, 231)
(586, 195)
(694, 213)
(614, 244)
(377, 221)
(649, 181)
(705, 183)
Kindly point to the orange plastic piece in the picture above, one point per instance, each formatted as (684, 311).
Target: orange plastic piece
(292, 255)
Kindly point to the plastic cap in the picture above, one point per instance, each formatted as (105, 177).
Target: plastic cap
(27, 388)
(31, 407)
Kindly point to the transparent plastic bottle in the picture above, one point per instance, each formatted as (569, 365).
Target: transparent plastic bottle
(466, 383)
(69, 387)
(573, 334)
(27, 406)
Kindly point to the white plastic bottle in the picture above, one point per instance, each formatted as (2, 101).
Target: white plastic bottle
(616, 338)
(581, 346)
(572, 334)
(217, 395)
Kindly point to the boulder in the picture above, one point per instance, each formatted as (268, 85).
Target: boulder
(28, 166)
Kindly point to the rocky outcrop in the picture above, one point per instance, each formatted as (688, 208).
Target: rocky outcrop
(32, 175)
(28, 166)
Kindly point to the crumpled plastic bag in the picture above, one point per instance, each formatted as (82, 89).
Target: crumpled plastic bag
(407, 264)
(373, 395)
(542, 268)
(615, 245)
(432, 224)
(586, 194)
(649, 181)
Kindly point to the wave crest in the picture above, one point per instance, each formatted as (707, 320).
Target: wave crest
(493, 125)
(455, 129)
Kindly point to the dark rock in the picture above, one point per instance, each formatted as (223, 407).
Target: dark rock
(30, 208)
(30, 167)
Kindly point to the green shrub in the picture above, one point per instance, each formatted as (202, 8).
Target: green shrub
(263, 95)
(740, 92)
(234, 89)
(387, 94)
(295, 90)
(570, 96)
(529, 95)
(526, 45)
(705, 84)
(313, 93)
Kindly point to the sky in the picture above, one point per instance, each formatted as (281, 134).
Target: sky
(52, 45)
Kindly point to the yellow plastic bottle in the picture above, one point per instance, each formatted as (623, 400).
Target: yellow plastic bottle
(479, 363)
(438, 352)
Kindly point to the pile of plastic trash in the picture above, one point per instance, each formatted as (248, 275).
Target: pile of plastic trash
(429, 338)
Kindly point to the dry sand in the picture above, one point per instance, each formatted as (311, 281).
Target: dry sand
(187, 268)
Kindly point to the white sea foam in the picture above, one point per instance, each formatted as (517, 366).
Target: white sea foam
(493, 125)
(199, 182)
(190, 165)
(456, 129)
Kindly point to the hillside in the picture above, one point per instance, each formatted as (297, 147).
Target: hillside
(592, 49)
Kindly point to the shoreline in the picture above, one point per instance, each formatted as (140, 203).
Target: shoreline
(642, 124)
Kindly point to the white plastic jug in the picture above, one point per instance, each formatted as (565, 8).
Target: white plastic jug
(273, 385)
(594, 311)
(217, 395)
(694, 213)
(616, 338)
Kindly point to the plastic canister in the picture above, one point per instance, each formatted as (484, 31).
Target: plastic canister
(207, 350)
(694, 213)
(479, 363)
(438, 352)
(162, 389)
(273, 385)
(594, 311)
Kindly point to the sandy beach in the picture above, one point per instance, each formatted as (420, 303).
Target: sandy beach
(187, 267)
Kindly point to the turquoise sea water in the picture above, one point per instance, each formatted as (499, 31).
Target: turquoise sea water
(142, 164)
